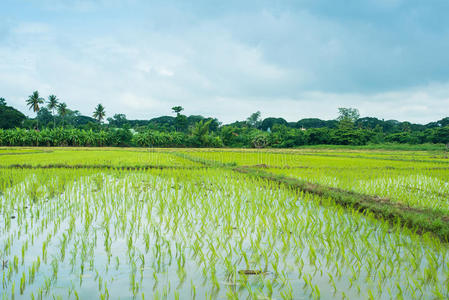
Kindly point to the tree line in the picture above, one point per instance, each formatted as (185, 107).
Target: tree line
(56, 124)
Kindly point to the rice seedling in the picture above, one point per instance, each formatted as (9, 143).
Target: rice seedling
(417, 179)
(206, 233)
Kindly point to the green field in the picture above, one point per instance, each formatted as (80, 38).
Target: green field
(109, 223)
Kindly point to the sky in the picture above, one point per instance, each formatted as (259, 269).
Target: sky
(227, 59)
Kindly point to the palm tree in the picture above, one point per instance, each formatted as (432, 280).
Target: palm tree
(52, 104)
(99, 113)
(62, 111)
(33, 102)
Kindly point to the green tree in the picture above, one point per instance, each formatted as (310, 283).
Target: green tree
(99, 113)
(349, 114)
(347, 118)
(268, 123)
(441, 135)
(200, 132)
(177, 109)
(62, 111)
(52, 104)
(44, 117)
(33, 102)
(284, 137)
(164, 123)
(2, 102)
(311, 123)
(10, 117)
(254, 119)
(318, 136)
(181, 122)
(260, 141)
(119, 120)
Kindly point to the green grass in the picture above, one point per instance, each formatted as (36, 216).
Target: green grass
(93, 157)
(385, 146)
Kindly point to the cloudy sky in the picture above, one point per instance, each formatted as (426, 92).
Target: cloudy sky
(227, 59)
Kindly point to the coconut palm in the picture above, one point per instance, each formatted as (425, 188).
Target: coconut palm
(52, 104)
(62, 111)
(99, 113)
(33, 102)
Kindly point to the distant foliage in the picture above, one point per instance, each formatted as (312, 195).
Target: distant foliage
(57, 125)
(280, 136)
(62, 137)
(10, 117)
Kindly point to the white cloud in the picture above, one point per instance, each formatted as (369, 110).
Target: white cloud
(165, 72)
(291, 64)
(138, 102)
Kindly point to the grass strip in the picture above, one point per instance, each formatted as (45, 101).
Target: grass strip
(24, 153)
(384, 146)
(265, 166)
(63, 166)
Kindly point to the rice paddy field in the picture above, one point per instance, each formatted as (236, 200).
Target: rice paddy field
(112, 223)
